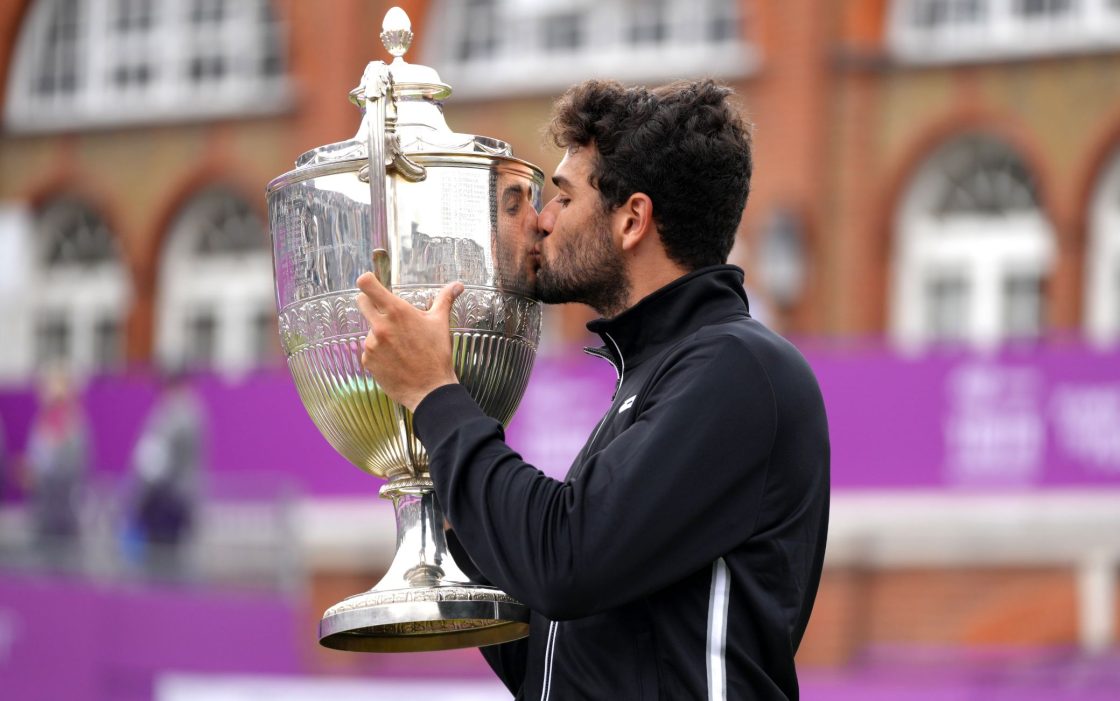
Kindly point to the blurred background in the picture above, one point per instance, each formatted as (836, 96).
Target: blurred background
(934, 221)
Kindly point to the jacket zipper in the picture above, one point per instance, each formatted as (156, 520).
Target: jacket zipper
(620, 374)
(554, 626)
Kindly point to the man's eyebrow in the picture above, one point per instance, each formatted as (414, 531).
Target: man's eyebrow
(514, 189)
(560, 181)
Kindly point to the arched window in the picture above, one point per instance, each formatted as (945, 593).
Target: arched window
(83, 291)
(81, 63)
(1102, 261)
(973, 250)
(217, 308)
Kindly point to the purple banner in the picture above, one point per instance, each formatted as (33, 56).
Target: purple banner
(70, 639)
(1040, 418)
(1045, 418)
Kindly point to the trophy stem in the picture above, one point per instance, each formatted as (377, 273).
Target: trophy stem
(424, 602)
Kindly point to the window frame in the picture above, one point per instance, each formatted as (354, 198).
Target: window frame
(235, 288)
(81, 295)
(521, 65)
(1002, 33)
(985, 248)
(167, 95)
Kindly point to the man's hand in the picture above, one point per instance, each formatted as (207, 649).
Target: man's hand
(408, 351)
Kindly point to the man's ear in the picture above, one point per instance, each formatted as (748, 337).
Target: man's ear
(634, 220)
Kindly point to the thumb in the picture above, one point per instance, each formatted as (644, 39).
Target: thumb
(441, 305)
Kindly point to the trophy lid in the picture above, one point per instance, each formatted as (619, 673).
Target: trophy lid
(409, 79)
(417, 94)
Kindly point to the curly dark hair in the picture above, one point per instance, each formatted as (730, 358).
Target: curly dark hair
(682, 144)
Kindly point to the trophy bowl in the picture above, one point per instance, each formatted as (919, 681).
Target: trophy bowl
(421, 206)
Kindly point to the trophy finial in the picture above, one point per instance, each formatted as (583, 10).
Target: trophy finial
(396, 32)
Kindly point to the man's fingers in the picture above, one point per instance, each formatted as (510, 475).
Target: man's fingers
(441, 305)
(375, 291)
(365, 305)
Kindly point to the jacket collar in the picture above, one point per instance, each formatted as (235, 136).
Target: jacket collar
(692, 301)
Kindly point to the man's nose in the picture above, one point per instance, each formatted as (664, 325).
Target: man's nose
(547, 218)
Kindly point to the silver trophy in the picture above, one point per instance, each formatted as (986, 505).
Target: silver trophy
(421, 206)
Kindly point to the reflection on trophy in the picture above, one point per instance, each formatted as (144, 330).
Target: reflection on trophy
(422, 206)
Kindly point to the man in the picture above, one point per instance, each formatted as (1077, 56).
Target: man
(57, 463)
(680, 557)
(167, 468)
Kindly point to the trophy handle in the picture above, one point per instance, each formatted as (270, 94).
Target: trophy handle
(377, 92)
(384, 157)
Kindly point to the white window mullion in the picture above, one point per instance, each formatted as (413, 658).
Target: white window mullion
(95, 96)
(168, 91)
(170, 331)
(247, 42)
(228, 337)
(228, 313)
(1094, 19)
(909, 272)
(685, 22)
(24, 99)
(1105, 304)
(986, 303)
(1001, 21)
(18, 282)
(234, 42)
(1102, 260)
(607, 24)
(82, 321)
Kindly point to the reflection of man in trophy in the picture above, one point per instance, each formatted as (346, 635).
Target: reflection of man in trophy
(515, 234)
(681, 555)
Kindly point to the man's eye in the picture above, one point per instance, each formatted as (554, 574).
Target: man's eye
(563, 201)
(513, 209)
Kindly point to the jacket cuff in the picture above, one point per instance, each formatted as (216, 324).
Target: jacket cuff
(442, 411)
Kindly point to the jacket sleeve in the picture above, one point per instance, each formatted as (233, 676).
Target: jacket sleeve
(463, 560)
(508, 660)
(675, 490)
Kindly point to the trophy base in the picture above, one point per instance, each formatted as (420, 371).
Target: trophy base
(424, 602)
(423, 619)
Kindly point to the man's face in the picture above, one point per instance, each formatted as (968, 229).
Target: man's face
(579, 260)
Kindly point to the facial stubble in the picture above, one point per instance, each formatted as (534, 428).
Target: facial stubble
(586, 269)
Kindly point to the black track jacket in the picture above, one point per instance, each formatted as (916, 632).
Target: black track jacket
(680, 557)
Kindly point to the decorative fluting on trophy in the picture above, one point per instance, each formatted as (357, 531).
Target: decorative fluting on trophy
(494, 338)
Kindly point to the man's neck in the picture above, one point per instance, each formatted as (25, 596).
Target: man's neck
(648, 275)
